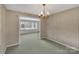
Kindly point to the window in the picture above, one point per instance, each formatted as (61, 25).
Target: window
(22, 26)
(29, 24)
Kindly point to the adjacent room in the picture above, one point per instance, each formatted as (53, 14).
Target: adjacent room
(39, 28)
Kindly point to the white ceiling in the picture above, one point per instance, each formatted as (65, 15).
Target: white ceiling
(37, 8)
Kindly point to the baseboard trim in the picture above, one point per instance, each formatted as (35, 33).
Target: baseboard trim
(43, 37)
(64, 44)
(12, 45)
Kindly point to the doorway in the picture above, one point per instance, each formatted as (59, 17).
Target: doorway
(29, 26)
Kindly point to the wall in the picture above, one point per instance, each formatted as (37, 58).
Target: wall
(13, 26)
(3, 29)
(43, 27)
(64, 27)
(9, 27)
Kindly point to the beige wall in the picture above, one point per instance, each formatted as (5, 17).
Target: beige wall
(43, 28)
(64, 27)
(3, 29)
(13, 26)
(9, 27)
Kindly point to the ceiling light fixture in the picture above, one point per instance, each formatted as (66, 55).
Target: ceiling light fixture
(44, 13)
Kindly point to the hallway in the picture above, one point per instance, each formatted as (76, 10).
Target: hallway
(31, 44)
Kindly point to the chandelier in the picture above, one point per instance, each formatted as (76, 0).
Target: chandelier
(44, 13)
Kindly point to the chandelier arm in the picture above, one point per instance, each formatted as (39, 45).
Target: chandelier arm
(44, 10)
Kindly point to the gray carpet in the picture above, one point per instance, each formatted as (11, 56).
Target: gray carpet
(32, 44)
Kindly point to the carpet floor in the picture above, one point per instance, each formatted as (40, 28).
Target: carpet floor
(32, 44)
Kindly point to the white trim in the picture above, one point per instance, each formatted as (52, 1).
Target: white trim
(74, 48)
(12, 45)
(19, 28)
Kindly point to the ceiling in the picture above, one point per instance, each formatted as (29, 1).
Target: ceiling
(37, 8)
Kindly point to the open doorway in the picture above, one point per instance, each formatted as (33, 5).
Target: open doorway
(29, 28)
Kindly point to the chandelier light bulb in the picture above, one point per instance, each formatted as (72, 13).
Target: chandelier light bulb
(41, 13)
(48, 13)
